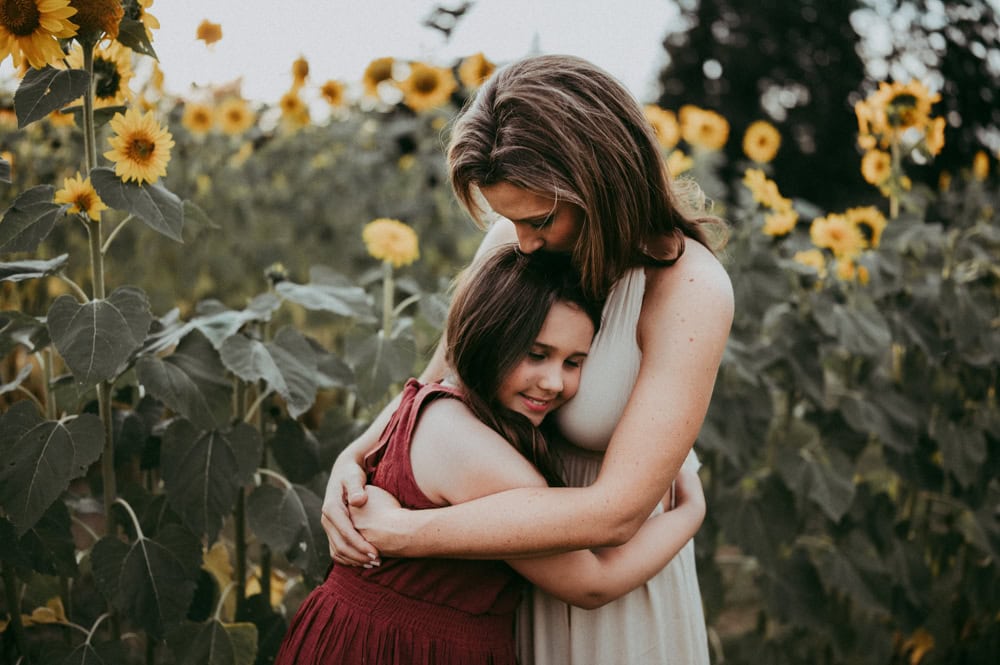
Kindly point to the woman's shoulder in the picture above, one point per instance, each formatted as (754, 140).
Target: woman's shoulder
(696, 290)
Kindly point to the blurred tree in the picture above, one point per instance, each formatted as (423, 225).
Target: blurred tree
(954, 47)
(792, 63)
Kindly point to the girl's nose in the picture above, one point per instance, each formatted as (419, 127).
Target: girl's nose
(528, 240)
(551, 378)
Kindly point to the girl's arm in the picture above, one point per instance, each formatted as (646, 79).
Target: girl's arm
(686, 314)
(452, 472)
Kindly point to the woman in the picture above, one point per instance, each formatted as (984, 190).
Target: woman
(565, 158)
(519, 336)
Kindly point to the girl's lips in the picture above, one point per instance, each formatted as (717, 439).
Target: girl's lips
(534, 404)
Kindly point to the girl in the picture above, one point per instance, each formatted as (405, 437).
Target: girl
(562, 156)
(519, 334)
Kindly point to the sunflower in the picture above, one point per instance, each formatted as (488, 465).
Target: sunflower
(838, 234)
(664, 124)
(377, 71)
(82, 197)
(59, 119)
(112, 73)
(870, 220)
(780, 222)
(876, 166)
(333, 93)
(97, 17)
(902, 105)
(198, 118)
(813, 258)
(149, 21)
(678, 162)
(234, 116)
(848, 271)
(703, 128)
(427, 87)
(391, 240)
(141, 148)
(981, 166)
(294, 112)
(208, 32)
(300, 72)
(474, 70)
(934, 136)
(765, 191)
(30, 30)
(761, 141)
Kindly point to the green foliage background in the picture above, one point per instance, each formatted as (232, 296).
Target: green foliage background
(850, 455)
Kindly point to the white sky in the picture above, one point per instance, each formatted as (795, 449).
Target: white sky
(261, 38)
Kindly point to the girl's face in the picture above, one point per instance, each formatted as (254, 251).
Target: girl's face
(549, 374)
(540, 221)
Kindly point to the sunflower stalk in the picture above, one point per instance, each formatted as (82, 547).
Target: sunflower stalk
(388, 297)
(897, 179)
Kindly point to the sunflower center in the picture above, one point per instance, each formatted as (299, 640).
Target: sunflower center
(140, 149)
(20, 17)
(425, 83)
(107, 78)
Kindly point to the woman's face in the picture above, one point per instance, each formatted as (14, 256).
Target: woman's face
(549, 374)
(540, 221)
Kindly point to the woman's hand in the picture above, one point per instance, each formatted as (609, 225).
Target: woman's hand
(345, 488)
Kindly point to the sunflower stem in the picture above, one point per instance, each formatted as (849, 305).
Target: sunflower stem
(388, 298)
(89, 129)
(896, 179)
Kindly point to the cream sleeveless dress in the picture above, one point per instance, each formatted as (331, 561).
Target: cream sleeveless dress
(662, 622)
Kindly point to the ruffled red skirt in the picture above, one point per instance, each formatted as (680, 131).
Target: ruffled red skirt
(353, 621)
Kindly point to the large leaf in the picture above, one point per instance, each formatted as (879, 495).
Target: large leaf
(43, 91)
(218, 323)
(18, 271)
(191, 381)
(158, 207)
(203, 469)
(40, 458)
(214, 643)
(862, 330)
(105, 653)
(296, 450)
(29, 220)
(288, 520)
(97, 338)
(152, 580)
(823, 475)
(288, 365)
(48, 545)
(18, 328)
(379, 361)
(347, 300)
(963, 449)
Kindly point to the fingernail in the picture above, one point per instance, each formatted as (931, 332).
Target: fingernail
(369, 566)
(373, 557)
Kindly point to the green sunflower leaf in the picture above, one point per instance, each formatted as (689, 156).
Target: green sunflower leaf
(345, 300)
(105, 653)
(40, 458)
(191, 381)
(288, 365)
(288, 520)
(132, 33)
(159, 208)
(102, 116)
(18, 328)
(214, 643)
(29, 220)
(97, 338)
(18, 271)
(43, 91)
(203, 469)
(379, 361)
(155, 577)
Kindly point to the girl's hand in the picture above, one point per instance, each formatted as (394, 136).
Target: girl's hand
(377, 515)
(686, 492)
(346, 488)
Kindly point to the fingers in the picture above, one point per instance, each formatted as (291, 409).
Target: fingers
(347, 546)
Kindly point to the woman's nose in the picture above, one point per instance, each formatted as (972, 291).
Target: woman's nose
(551, 378)
(528, 239)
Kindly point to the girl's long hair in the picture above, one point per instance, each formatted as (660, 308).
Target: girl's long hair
(560, 127)
(495, 317)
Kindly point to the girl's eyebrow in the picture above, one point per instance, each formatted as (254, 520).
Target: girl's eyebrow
(548, 347)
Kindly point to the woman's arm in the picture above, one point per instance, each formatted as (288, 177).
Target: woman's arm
(685, 320)
(592, 578)
(346, 485)
(456, 458)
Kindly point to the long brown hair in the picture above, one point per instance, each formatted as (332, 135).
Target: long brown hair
(561, 127)
(495, 317)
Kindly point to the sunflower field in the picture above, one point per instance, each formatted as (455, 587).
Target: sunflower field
(205, 298)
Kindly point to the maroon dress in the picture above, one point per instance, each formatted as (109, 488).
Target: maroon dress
(407, 611)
